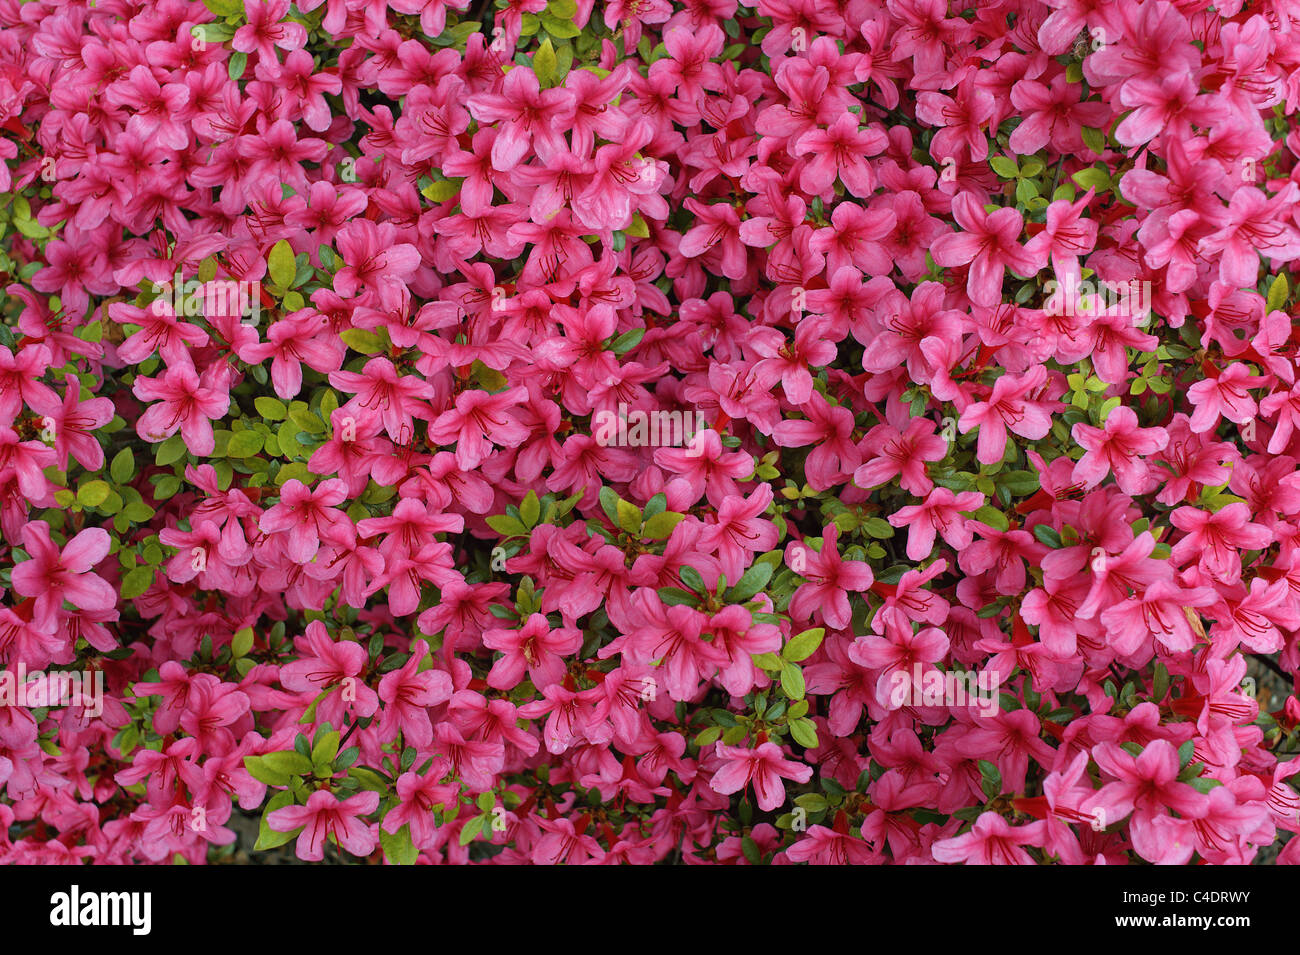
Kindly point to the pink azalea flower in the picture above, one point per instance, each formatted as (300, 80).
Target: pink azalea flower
(764, 767)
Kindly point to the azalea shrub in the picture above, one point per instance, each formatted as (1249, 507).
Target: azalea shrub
(548, 431)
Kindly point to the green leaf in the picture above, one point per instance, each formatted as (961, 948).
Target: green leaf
(609, 504)
(136, 582)
(1094, 139)
(272, 409)
(1159, 683)
(214, 32)
(675, 596)
(769, 662)
(507, 526)
(627, 341)
(803, 645)
(170, 451)
(259, 769)
(472, 829)
(992, 517)
(660, 526)
(990, 779)
(225, 8)
(709, 736)
(753, 580)
(242, 642)
(545, 64)
(268, 838)
(1092, 178)
(1019, 483)
(691, 578)
(238, 63)
(1004, 167)
(878, 528)
(530, 509)
(306, 421)
(1047, 534)
(326, 748)
(792, 682)
(288, 762)
(1278, 293)
(281, 264)
(442, 190)
(93, 493)
(804, 732)
(398, 847)
(1185, 753)
(244, 444)
(1026, 189)
(560, 29)
(629, 516)
(360, 340)
(123, 467)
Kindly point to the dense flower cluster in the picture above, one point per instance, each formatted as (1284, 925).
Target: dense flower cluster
(557, 431)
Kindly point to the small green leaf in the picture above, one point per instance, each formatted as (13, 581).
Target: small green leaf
(530, 509)
(242, 642)
(507, 526)
(804, 732)
(792, 682)
(660, 526)
(136, 582)
(560, 29)
(750, 583)
(123, 467)
(259, 769)
(326, 748)
(803, 645)
(629, 516)
(993, 518)
(1004, 167)
(442, 190)
(1092, 178)
(398, 847)
(170, 451)
(545, 64)
(272, 409)
(1278, 293)
(93, 493)
(289, 762)
(244, 444)
(268, 838)
(360, 340)
(1047, 534)
(990, 779)
(627, 341)
(281, 264)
